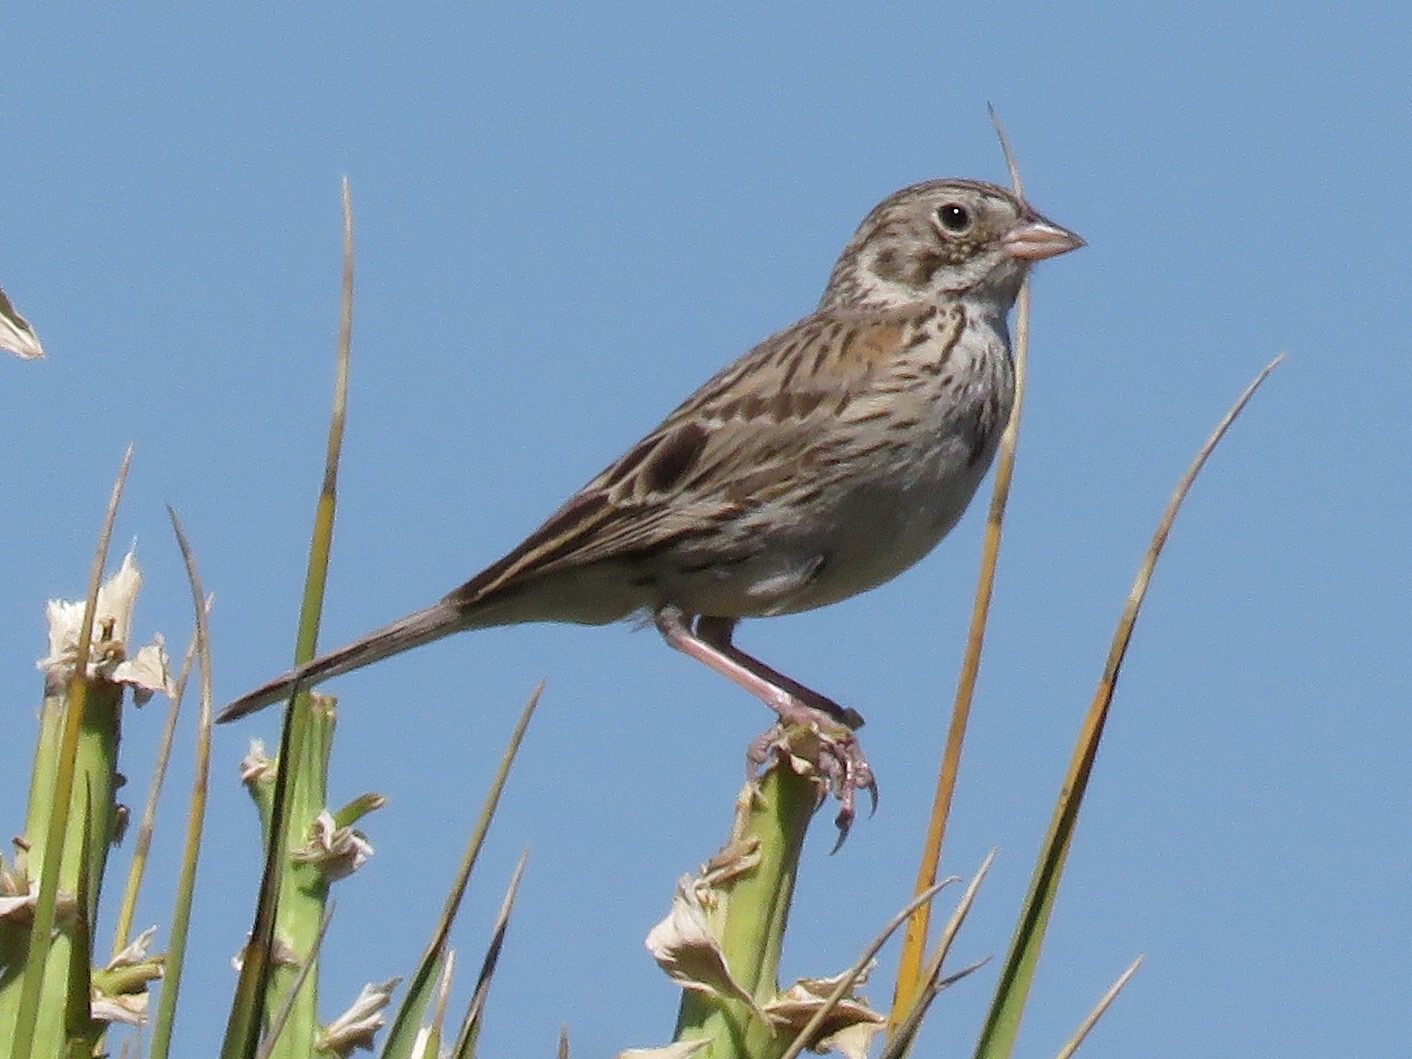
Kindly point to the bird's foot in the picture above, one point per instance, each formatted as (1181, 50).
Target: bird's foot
(816, 737)
(812, 729)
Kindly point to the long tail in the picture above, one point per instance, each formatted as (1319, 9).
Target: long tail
(412, 631)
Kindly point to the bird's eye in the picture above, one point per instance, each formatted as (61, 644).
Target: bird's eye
(954, 217)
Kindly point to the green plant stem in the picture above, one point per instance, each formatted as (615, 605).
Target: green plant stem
(754, 912)
(303, 888)
(77, 754)
(66, 753)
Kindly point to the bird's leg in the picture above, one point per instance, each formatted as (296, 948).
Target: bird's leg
(717, 632)
(841, 760)
(844, 765)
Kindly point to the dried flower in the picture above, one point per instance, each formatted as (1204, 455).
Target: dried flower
(144, 670)
(339, 851)
(15, 333)
(356, 1026)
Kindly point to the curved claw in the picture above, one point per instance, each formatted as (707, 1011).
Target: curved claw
(855, 774)
(844, 822)
(835, 754)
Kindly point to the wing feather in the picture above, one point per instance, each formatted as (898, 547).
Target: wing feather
(740, 441)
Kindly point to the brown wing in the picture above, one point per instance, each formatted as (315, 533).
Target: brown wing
(739, 441)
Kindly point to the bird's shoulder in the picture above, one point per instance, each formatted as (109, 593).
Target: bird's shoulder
(827, 354)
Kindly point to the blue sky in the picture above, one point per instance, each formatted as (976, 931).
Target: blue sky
(566, 220)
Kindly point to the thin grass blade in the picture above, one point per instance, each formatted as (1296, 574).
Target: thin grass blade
(1091, 1021)
(403, 1033)
(465, 1047)
(914, 945)
(900, 1042)
(196, 806)
(1003, 1021)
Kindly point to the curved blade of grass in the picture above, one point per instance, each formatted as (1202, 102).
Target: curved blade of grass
(914, 944)
(42, 928)
(1091, 1021)
(247, 1009)
(316, 576)
(1003, 1022)
(142, 844)
(465, 1047)
(403, 1033)
(196, 809)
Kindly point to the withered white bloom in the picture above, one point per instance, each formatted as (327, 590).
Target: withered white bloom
(678, 1050)
(340, 851)
(130, 1009)
(134, 952)
(356, 1026)
(120, 990)
(145, 670)
(853, 1039)
(15, 333)
(685, 946)
(19, 908)
(284, 956)
(848, 1028)
(256, 766)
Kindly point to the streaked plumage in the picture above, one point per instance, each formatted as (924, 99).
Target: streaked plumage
(827, 460)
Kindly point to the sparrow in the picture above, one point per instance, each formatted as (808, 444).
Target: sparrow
(825, 461)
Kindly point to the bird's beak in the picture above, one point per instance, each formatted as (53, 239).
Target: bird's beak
(1038, 239)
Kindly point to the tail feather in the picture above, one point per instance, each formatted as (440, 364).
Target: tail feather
(412, 631)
